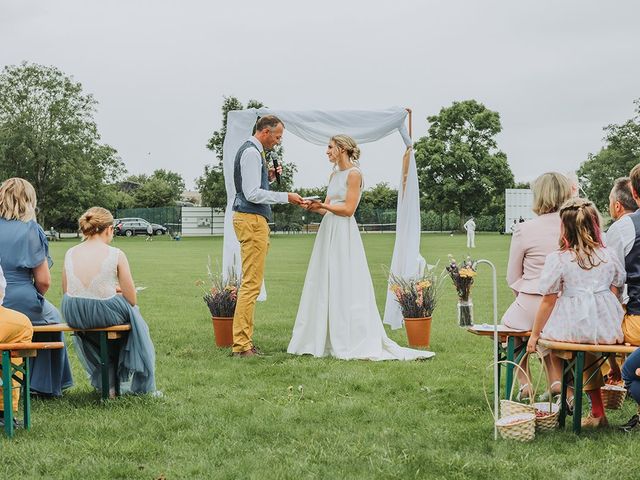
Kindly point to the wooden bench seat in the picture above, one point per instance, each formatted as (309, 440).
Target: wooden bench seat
(9, 372)
(109, 344)
(509, 352)
(573, 356)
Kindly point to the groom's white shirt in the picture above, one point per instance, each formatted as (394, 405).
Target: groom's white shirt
(251, 170)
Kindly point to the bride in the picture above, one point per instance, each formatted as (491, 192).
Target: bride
(338, 315)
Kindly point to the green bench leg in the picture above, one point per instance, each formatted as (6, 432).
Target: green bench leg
(104, 365)
(6, 392)
(577, 392)
(26, 397)
(509, 370)
(566, 372)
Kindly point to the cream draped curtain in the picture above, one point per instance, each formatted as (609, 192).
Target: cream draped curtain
(318, 127)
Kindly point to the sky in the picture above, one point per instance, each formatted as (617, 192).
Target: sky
(556, 71)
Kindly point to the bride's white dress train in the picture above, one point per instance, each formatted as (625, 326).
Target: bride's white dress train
(338, 315)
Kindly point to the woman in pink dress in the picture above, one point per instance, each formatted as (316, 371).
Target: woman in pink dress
(532, 241)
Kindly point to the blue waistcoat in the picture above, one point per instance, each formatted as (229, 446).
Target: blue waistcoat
(632, 266)
(241, 204)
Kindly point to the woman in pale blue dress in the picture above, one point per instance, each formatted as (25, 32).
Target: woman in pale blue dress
(99, 292)
(25, 260)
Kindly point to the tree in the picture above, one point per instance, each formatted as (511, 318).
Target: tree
(459, 165)
(160, 189)
(156, 192)
(211, 184)
(49, 137)
(211, 187)
(381, 197)
(620, 154)
(173, 179)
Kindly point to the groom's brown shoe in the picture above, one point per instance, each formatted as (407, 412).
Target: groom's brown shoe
(247, 353)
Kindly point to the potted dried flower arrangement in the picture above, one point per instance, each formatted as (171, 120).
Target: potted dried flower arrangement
(220, 295)
(417, 298)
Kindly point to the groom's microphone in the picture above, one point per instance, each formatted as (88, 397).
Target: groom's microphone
(274, 158)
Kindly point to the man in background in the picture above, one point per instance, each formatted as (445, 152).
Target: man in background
(470, 227)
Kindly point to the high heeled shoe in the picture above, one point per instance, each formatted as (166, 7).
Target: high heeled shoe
(523, 396)
(549, 393)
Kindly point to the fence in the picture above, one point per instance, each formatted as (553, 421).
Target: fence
(196, 221)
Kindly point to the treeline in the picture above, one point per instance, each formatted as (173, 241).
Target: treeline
(48, 135)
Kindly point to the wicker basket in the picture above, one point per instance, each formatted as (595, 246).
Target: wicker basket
(511, 407)
(517, 421)
(520, 427)
(546, 416)
(613, 396)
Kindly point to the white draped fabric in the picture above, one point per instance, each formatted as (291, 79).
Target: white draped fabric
(318, 127)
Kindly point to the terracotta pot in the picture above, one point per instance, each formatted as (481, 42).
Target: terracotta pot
(223, 331)
(418, 331)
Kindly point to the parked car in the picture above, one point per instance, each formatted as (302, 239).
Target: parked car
(137, 226)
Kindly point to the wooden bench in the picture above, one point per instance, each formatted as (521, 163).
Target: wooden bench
(511, 353)
(573, 355)
(109, 344)
(10, 371)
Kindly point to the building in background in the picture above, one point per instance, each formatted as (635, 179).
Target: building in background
(518, 204)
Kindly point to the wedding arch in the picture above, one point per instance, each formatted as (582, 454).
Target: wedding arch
(317, 127)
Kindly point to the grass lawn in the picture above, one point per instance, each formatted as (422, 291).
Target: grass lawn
(297, 417)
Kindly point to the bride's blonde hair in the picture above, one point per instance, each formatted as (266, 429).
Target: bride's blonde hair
(349, 145)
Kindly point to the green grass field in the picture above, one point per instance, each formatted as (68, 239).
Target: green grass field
(297, 417)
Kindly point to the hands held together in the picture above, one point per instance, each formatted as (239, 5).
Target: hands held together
(311, 205)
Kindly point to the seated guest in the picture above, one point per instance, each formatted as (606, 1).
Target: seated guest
(99, 292)
(619, 240)
(621, 234)
(631, 323)
(532, 241)
(14, 328)
(25, 261)
(588, 278)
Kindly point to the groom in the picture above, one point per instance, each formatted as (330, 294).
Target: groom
(252, 211)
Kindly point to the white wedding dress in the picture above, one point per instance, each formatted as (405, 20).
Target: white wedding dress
(338, 315)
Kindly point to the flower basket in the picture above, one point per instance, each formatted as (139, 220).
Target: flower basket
(520, 427)
(515, 421)
(613, 396)
(418, 331)
(547, 414)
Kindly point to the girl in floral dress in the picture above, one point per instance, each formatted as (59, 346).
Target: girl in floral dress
(580, 284)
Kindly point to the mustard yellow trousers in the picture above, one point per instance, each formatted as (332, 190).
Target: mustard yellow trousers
(631, 329)
(253, 234)
(14, 328)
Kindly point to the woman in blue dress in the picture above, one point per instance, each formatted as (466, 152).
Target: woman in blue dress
(24, 256)
(99, 292)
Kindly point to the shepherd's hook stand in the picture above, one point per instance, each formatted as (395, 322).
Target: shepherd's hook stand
(496, 385)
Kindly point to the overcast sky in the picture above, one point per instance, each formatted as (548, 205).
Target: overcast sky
(556, 71)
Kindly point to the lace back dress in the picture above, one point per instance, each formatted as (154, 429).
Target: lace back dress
(91, 301)
(338, 315)
(587, 311)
